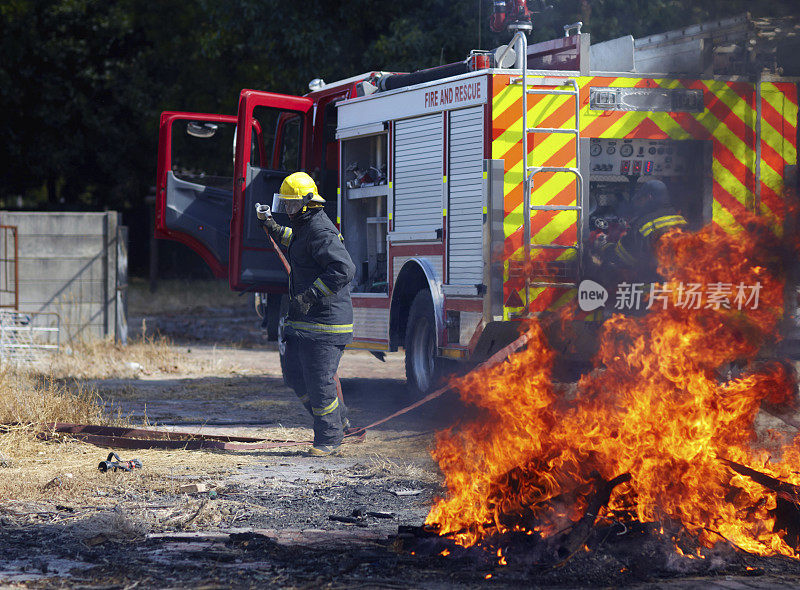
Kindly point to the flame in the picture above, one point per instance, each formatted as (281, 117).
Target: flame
(501, 558)
(654, 407)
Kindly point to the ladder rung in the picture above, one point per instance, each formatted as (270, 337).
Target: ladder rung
(550, 169)
(542, 91)
(556, 208)
(554, 247)
(551, 130)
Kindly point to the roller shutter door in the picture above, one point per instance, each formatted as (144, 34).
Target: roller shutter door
(465, 210)
(418, 176)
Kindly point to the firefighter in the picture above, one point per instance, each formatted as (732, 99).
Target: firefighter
(320, 320)
(633, 256)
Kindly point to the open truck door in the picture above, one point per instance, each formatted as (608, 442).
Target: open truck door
(194, 191)
(262, 163)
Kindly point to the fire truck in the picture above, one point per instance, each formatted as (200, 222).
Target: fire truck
(465, 193)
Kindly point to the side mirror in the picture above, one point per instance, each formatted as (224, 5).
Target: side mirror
(201, 130)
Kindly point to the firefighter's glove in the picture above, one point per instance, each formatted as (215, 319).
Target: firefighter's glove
(271, 226)
(600, 242)
(301, 304)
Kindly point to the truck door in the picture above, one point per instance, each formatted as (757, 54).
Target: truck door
(194, 184)
(285, 126)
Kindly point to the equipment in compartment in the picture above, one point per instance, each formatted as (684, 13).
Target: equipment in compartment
(618, 166)
(372, 176)
(364, 213)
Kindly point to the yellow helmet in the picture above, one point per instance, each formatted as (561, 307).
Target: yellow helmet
(297, 190)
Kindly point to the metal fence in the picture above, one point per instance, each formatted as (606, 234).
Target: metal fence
(9, 267)
(26, 337)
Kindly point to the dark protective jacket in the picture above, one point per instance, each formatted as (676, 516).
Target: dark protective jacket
(635, 250)
(319, 262)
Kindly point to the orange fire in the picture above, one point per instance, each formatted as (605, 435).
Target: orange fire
(655, 407)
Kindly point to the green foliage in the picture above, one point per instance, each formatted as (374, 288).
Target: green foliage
(82, 82)
(79, 81)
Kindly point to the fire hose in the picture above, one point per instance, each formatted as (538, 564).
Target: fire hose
(137, 438)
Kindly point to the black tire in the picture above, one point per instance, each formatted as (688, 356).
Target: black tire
(423, 368)
(273, 315)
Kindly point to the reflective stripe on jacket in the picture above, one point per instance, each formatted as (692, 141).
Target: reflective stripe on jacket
(320, 261)
(636, 248)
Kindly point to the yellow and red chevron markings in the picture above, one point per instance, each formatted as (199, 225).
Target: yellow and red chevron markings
(728, 122)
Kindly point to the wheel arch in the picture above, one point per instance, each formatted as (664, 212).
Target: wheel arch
(416, 274)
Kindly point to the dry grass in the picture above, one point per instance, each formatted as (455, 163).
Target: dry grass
(141, 358)
(26, 399)
(178, 295)
(53, 389)
(36, 476)
(116, 524)
(98, 358)
(65, 471)
(104, 358)
(402, 470)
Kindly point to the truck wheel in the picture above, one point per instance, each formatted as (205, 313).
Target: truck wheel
(273, 315)
(423, 368)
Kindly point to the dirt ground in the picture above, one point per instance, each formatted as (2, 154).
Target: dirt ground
(278, 518)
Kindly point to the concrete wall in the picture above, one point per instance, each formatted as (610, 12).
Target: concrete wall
(71, 264)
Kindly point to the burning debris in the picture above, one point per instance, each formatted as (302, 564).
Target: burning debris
(652, 440)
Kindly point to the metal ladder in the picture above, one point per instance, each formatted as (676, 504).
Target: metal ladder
(521, 44)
